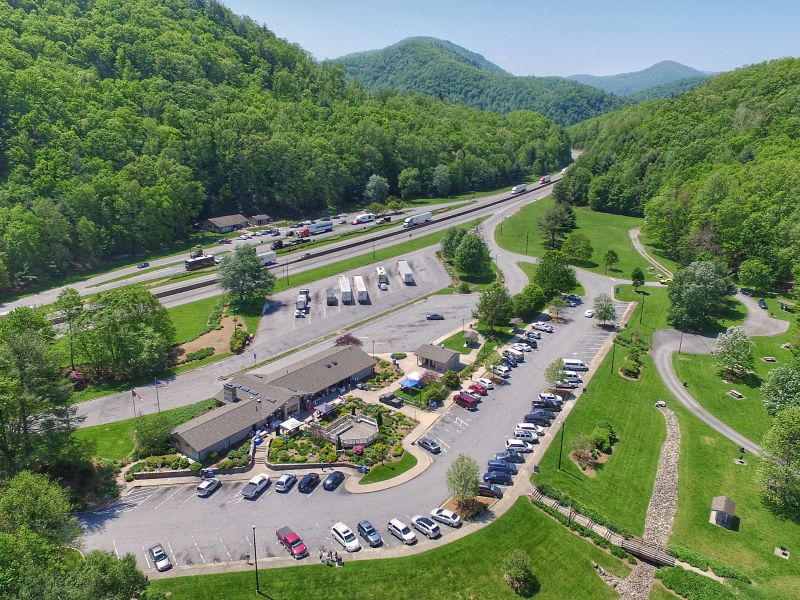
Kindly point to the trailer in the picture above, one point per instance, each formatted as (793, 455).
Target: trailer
(419, 219)
(518, 189)
(344, 290)
(323, 226)
(199, 262)
(361, 289)
(405, 272)
(268, 258)
(330, 297)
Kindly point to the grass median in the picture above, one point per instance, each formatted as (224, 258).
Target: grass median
(520, 233)
(389, 470)
(467, 568)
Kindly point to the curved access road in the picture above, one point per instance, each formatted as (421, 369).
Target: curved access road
(634, 235)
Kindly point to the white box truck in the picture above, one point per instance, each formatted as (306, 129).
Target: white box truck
(301, 303)
(405, 272)
(419, 219)
(361, 289)
(268, 258)
(383, 278)
(364, 218)
(518, 189)
(344, 289)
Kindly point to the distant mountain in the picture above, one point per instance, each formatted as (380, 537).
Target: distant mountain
(668, 90)
(440, 68)
(627, 84)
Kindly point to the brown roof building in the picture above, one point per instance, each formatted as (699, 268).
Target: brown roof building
(224, 224)
(437, 358)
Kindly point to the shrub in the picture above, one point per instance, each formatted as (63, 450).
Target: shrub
(702, 562)
(693, 586)
(128, 476)
(225, 464)
(603, 437)
(195, 466)
(199, 354)
(399, 355)
(517, 573)
(464, 288)
(451, 380)
(397, 451)
(277, 444)
(631, 368)
(238, 340)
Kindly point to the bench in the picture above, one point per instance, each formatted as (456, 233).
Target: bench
(769, 359)
(737, 395)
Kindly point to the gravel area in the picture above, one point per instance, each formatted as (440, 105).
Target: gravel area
(664, 501)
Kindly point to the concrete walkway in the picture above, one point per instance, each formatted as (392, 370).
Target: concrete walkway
(637, 244)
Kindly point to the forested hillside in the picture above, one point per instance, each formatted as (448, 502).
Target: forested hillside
(123, 123)
(440, 68)
(715, 171)
(628, 84)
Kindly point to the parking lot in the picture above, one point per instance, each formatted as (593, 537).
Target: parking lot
(219, 528)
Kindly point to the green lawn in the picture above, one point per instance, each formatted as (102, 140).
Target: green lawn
(114, 441)
(658, 253)
(659, 592)
(706, 470)
(191, 319)
(747, 416)
(530, 271)
(465, 569)
(605, 232)
(456, 342)
(629, 407)
(389, 470)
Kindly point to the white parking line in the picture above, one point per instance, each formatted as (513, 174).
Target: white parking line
(264, 496)
(198, 550)
(171, 551)
(166, 499)
(115, 548)
(193, 495)
(146, 557)
(223, 546)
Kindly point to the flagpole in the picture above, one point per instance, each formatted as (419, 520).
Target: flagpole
(158, 402)
(133, 399)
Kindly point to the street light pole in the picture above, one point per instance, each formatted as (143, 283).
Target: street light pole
(255, 557)
(287, 270)
(680, 343)
(641, 313)
(561, 446)
(373, 348)
(613, 352)
(526, 241)
(373, 246)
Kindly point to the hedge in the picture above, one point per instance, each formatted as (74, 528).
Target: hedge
(693, 586)
(585, 532)
(567, 500)
(200, 354)
(702, 562)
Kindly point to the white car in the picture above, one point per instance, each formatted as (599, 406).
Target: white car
(589, 314)
(426, 526)
(549, 396)
(522, 347)
(487, 383)
(448, 517)
(525, 434)
(518, 445)
(207, 487)
(537, 429)
(542, 326)
(285, 482)
(160, 558)
(255, 486)
(401, 531)
(345, 536)
(383, 286)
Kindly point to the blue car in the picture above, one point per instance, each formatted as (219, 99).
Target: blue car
(498, 477)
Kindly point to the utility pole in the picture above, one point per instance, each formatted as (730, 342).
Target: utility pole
(287, 270)
(642, 311)
(255, 557)
(373, 246)
(158, 402)
(613, 351)
(561, 446)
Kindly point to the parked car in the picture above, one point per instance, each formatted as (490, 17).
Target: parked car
(291, 542)
(502, 465)
(533, 335)
(533, 427)
(542, 326)
(762, 303)
(224, 241)
(429, 445)
(434, 317)
(401, 531)
(489, 490)
(479, 389)
(538, 419)
(385, 219)
(285, 482)
(308, 483)
(299, 314)
(143, 265)
(526, 435)
(520, 446)
(343, 534)
(522, 347)
(448, 517)
(550, 396)
(550, 405)
(426, 526)
(498, 478)
(487, 383)
(511, 456)
(160, 558)
(255, 486)
(509, 362)
(501, 370)
(531, 341)
(466, 401)
(566, 384)
(369, 533)
(208, 487)
(391, 400)
(575, 298)
(589, 314)
(333, 481)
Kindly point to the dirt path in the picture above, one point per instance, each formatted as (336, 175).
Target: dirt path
(219, 339)
(634, 235)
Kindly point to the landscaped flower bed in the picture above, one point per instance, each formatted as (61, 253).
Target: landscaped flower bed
(388, 447)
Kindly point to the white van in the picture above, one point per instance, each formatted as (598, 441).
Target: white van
(573, 364)
(525, 434)
(572, 376)
(518, 445)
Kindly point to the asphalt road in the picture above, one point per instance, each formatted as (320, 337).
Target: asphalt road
(195, 530)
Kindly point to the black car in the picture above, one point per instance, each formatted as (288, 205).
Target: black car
(746, 291)
(548, 405)
(538, 420)
(429, 445)
(333, 481)
(489, 490)
(143, 265)
(509, 362)
(276, 245)
(498, 478)
(511, 456)
(385, 219)
(502, 465)
(308, 483)
(544, 412)
(762, 303)
(391, 400)
(434, 317)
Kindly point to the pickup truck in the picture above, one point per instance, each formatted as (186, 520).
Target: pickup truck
(255, 486)
(292, 542)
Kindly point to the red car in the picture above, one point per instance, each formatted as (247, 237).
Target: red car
(477, 387)
(465, 400)
(292, 542)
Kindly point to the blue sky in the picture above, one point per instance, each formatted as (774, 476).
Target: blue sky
(547, 38)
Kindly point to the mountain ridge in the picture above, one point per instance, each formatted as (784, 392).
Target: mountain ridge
(632, 82)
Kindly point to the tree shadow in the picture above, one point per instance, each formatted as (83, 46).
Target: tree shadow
(585, 264)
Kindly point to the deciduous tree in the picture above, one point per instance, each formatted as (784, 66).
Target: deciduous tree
(755, 273)
(637, 278)
(610, 258)
(70, 305)
(733, 353)
(462, 478)
(529, 301)
(242, 276)
(494, 306)
(554, 275)
(472, 255)
(409, 182)
(377, 189)
(553, 223)
(780, 468)
(450, 240)
(698, 293)
(441, 180)
(347, 339)
(556, 371)
(557, 304)
(604, 308)
(782, 388)
(577, 248)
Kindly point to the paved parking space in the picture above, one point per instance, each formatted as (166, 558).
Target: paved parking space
(219, 528)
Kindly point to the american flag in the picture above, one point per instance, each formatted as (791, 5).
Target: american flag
(160, 383)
